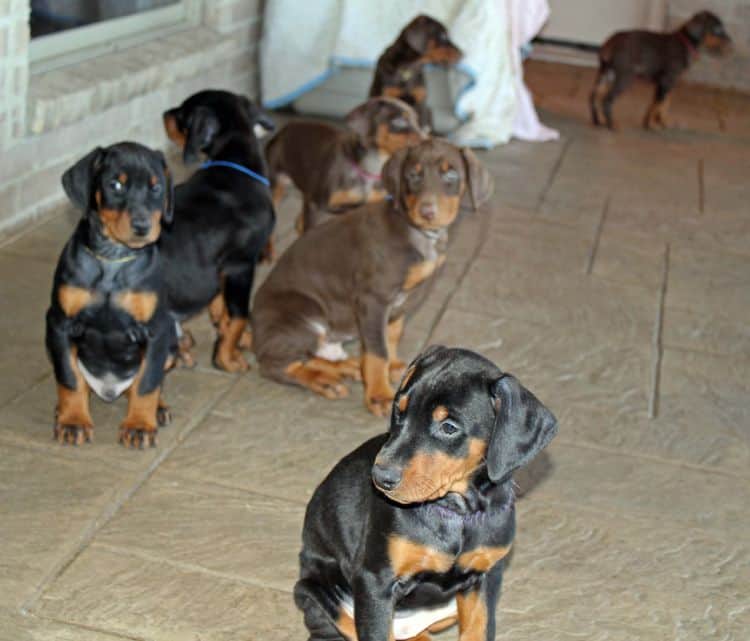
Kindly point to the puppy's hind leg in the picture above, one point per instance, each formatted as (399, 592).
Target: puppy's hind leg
(324, 617)
(619, 84)
(596, 94)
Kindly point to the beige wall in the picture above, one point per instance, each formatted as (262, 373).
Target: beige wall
(48, 120)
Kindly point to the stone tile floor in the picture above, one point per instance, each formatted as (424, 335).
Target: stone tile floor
(611, 273)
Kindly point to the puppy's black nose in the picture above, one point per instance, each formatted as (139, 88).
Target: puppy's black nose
(141, 227)
(386, 478)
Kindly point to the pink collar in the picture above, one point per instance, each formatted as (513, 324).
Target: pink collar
(692, 51)
(362, 173)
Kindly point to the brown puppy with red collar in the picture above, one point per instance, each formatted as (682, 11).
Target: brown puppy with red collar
(399, 72)
(658, 57)
(358, 275)
(339, 169)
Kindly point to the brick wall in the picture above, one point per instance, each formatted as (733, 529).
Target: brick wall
(734, 70)
(44, 129)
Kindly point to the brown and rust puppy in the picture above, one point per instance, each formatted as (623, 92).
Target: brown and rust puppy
(657, 57)
(359, 274)
(339, 169)
(108, 328)
(408, 534)
(400, 69)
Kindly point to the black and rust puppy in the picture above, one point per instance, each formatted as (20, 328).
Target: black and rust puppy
(359, 275)
(407, 534)
(657, 57)
(108, 328)
(224, 219)
(338, 169)
(400, 69)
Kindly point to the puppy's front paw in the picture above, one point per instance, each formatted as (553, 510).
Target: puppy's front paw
(396, 370)
(137, 437)
(229, 358)
(67, 434)
(379, 404)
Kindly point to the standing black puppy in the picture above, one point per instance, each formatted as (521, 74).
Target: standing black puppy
(408, 533)
(108, 328)
(224, 218)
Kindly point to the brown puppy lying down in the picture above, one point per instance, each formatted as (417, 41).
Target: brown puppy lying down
(359, 274)
(658, 57)
(338, 169)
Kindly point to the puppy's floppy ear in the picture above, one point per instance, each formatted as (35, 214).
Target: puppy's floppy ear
(415, 33)
(359, 119)
(203, 125)
(168, 209)
(523, 427)
(478, 180)
(696, 26)
(78, 181)
(391, 174)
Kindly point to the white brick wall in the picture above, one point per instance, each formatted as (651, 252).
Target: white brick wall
(52, 119)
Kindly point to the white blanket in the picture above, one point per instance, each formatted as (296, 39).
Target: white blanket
(305, 42)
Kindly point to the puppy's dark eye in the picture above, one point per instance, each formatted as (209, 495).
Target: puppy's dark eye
(451, 176)
(448, 428)
(116, 185)
(414, 178)
(156, 189)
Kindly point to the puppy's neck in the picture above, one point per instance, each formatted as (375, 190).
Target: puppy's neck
(480, 498)
(102, 247)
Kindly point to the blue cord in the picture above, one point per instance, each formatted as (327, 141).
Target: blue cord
(233, 165)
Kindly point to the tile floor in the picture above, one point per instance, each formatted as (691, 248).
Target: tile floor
(611, 273)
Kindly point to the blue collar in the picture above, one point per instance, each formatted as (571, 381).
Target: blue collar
(233, 165)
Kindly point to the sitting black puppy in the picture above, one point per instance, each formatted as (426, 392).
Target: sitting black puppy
(408, 533)
(224, 219)
(108, 328)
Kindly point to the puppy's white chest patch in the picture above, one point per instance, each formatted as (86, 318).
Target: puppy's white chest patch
(407, 624)
(107, 387)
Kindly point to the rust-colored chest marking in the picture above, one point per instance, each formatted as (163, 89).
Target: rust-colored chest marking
(409, 558)
(421, 272)
(482, 558)
(73, 299)
(140, 305)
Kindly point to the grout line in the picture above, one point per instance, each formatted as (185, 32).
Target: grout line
(657, 347)
(185, 566)
(108, 512)
(553, 175)
(483, 235)
(574, 444)
(597, 236)
(187, 477)
(88, 628)
(701, 187)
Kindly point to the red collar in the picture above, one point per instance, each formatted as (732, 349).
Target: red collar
(689, 45)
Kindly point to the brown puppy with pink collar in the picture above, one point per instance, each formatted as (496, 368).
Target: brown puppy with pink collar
(339, 169)
(360, 274)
